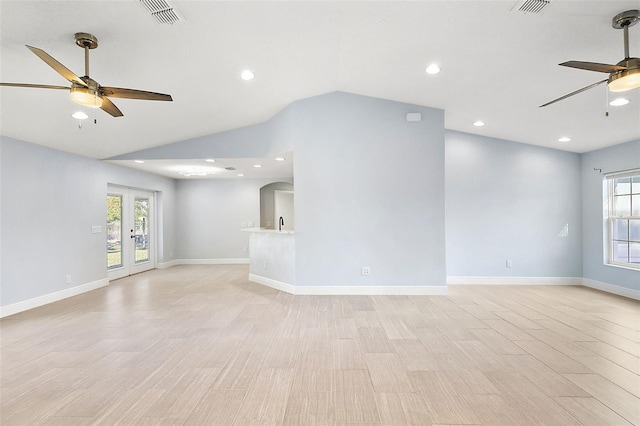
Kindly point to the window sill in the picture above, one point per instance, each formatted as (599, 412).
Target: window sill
(623, 266)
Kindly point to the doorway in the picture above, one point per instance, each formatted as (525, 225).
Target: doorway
(130, 231)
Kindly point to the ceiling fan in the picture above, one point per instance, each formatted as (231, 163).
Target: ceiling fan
(85, 90)
(623, 76)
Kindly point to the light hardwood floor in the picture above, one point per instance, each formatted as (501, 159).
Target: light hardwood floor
(201, 345)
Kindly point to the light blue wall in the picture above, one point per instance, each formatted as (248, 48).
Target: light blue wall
(50, 200)
(260, 140)
(617, 158)
(369, 188)
(210, 214)
(369, 192)
(507, 200)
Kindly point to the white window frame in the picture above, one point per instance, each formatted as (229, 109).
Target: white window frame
(611, 215)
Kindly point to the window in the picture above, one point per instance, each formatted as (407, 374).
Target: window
(624, 219)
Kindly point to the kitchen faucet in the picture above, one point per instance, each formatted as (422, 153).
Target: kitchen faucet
(280, 223)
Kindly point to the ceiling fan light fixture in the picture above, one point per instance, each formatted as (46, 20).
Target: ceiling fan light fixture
(625, 80)
(86, 97)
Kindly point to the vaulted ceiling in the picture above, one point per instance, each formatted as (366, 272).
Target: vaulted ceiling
(498, 65)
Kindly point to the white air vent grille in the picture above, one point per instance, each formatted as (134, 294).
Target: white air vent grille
(161, 11)
(532, 6)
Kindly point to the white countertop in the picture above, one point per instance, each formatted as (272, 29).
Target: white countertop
(268, 231)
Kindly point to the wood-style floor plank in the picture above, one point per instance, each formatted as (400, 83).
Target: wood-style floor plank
(307, 408)
(201, 345)
(353, 397)
(444, 402)
(403, 409)
(552, 358)
(622, 358)
(590, 411)
(266, 401)
(617, 399)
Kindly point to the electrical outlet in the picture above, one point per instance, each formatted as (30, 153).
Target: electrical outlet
(265, 265)
(509, 263)
(245, 249)
(366, 270)
(68, 278)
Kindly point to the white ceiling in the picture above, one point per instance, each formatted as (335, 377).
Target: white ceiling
(498, 65)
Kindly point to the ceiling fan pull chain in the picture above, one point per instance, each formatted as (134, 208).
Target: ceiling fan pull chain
(606, 99)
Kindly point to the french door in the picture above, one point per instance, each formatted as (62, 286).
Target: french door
(130, 231)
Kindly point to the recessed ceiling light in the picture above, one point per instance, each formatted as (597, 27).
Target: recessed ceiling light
(80, 115)
(478, 123)
(257, 166)
(194, 173)
(564, 139)
(240, 174)
(247, 75)
(433, 69)
(280, 158)
(138, 161)
(619, 102)
(210, 160)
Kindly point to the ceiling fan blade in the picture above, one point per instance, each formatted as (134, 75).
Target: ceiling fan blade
(574, 93)
(593, 66)
(60, 69)
(117, 92)
(110, 107)
(35, 86)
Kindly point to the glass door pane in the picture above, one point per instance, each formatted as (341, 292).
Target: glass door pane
(130, 231)
(141, 233)
(114, 231)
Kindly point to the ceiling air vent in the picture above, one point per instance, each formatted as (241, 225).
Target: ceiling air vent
(161, 11)
(532, 6)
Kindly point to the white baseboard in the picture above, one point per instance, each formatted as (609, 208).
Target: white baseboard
(611, 288)
(350, 290)
(165, 265)
(387, 290)
(229, 261)
(50, 298)
(278, 285)
(514, 280)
